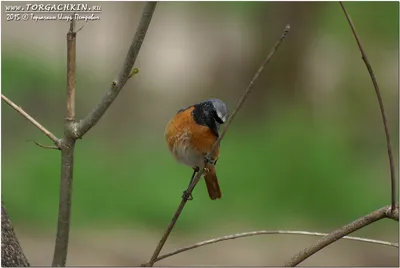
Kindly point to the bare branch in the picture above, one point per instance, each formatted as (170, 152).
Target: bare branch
(45, 146)
(200, 173)
(337, 234)
(64, 208)
(381, 106)
(276, 232)
(166, 234)
(94, 116)
(249, 88)
(67, 157)
(393, 214)
(71, 63)
(51, 136)
(73, 130)
(12, 254)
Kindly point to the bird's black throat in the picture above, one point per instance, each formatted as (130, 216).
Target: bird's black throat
(204, 114)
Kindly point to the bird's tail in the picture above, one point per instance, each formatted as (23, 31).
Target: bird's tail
(212, 183)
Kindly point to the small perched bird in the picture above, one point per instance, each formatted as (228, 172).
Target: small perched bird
(192, 133)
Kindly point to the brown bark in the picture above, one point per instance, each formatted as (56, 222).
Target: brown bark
(11, 251)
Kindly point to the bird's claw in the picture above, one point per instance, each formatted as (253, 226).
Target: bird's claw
(187, 196)
(209, 160)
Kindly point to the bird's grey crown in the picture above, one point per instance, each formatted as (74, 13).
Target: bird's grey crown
(220, 108)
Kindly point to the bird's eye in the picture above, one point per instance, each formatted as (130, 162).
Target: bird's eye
(219, 118)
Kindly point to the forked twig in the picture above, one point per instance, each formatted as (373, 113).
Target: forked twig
(32, 120)
(381, 106)
(74, 130)
(347, 229)
(200, 173)
(276, 232)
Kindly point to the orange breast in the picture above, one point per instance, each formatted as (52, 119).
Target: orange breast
(183, 126)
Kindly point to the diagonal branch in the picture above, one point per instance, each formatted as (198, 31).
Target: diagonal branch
(249, 88)
(247, 234)
(94, 116)
(381, 106)
(340, 233)
(200, 173)
(240, 103)
(51, 136)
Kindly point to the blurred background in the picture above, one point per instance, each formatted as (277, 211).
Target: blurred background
(306, 152)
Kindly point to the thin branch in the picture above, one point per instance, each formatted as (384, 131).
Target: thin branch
(64, 208)
(247, 234)
(32, 120)
(71, 66)
(338, 234)
(200, 173)
(381, 106)
(67, 157)
(393, 214)
(45, 146)
(249, 88)
(94, 116)
(166, 234)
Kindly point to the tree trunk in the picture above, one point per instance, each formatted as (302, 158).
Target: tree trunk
(11, 251)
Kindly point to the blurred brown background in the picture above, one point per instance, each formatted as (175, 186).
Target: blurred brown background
(306, 152)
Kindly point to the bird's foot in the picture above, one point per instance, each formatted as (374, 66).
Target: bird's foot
(187, 196)
(209, 160)
(206, 170)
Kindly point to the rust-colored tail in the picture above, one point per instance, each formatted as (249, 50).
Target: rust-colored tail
(212, 183)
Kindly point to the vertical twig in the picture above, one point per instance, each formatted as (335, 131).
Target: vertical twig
(67, 157)
(71, 59)
(64, 209)
(200, 173)
(381, 107)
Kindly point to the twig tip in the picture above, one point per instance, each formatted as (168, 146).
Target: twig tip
(45, 146)
(80, 28)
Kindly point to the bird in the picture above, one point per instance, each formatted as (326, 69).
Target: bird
(190, 136)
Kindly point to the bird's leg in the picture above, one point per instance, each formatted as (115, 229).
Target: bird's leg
(186, 195)
(195, 170)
